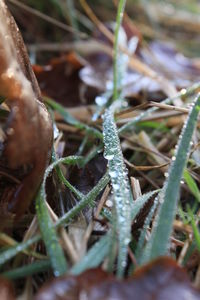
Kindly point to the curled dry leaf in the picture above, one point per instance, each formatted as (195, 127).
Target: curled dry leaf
(28, 129)
(67, 88)
(6, 290)
(160, 280)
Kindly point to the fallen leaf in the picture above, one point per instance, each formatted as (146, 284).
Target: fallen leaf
(60, 80)
(161, 279)
(6, 290)
(28, 128)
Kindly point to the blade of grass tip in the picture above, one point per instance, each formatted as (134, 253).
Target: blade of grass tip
(28, 270)
(192, 185)
(82, 145)
(160, 238)
(71, 120)
(195, 229)
(92, 154)
(120, 13)
(86, 200)
(94, 256)
(62, 178)
(139, 203)
(184, 92)
(48, 231)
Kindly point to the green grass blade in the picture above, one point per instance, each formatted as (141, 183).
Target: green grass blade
(54, 250)
(101, 249)
(195, 229)
(116, 66)
(121, 187)
(71, 120)
(139, 203)
(28, 270)
(13, 251)
(47, 229)
(159, 241)
(94, 256)
(62, 178)
(192, 185)
(89, 198)
(86, 200)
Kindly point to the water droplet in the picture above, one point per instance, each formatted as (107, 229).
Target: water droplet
(10, 131)
(123, 263)
(56, 273)
(173, 158)
(161, 200)
(182, 182)
(109, 203)
(116, 186)
(166, 174)
(126, 241)
(113, 174)
(101, 100)
(183, 92)
(109, 156)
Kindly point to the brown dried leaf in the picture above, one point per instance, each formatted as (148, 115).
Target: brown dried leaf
(6, 290)
(60, 80)
(28, 129)
(162, 279)
(71, 287)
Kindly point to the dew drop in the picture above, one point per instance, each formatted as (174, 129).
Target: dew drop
(161, 200)
(183, 92)
(123, 263)
(10, 131)
(109, 156)
(126, 241)
(100, 100)
(109, 203)
(113, 174)
(56, 273)
(115, 186)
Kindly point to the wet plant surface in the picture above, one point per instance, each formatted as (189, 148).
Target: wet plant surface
(99, 139)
